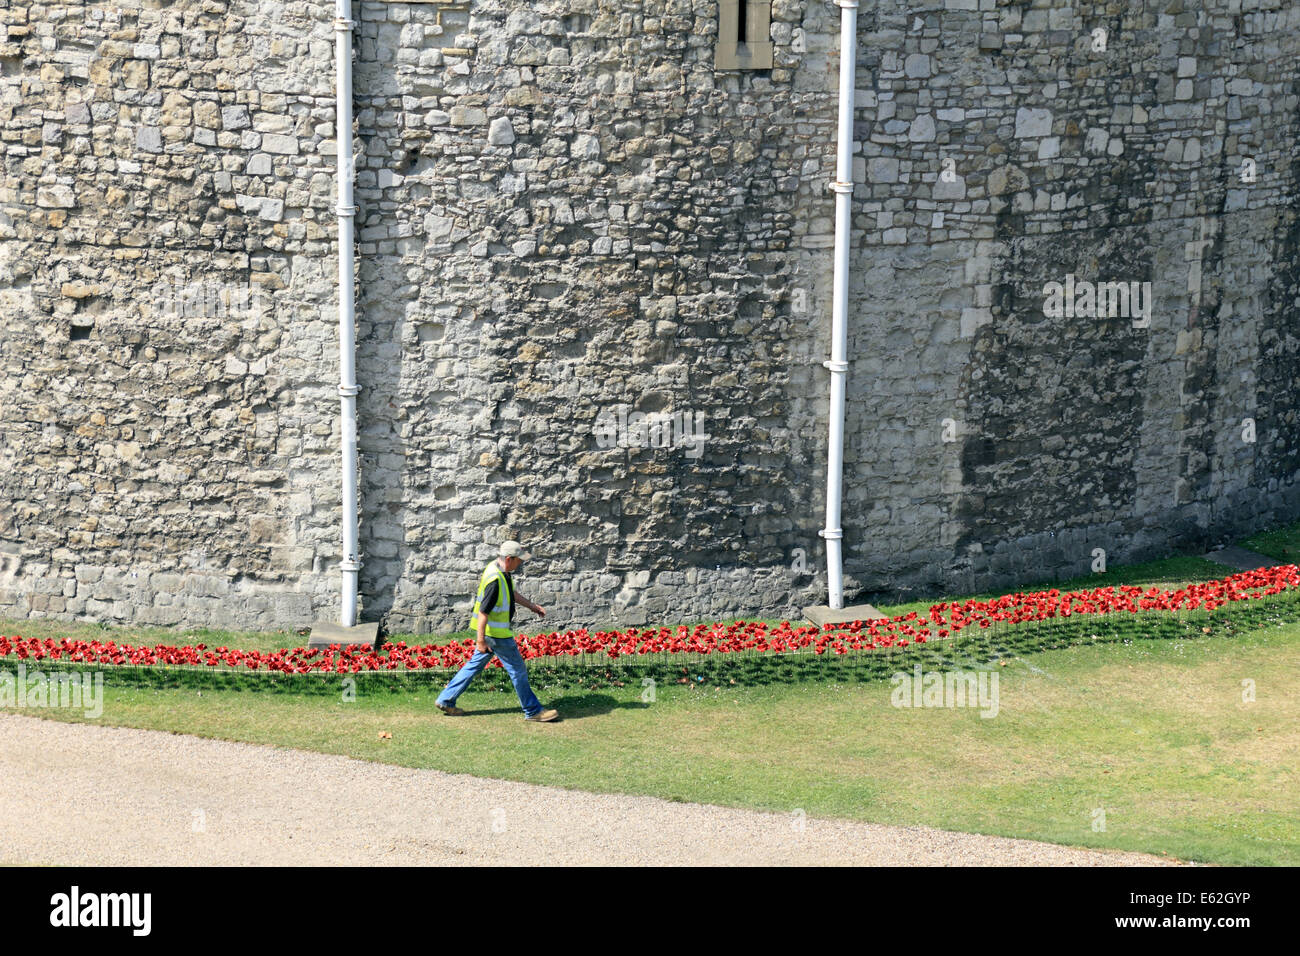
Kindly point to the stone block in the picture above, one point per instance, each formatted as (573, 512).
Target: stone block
(1031, 122)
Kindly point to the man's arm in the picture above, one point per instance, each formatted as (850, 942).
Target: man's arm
(482, 645)
(524, 602)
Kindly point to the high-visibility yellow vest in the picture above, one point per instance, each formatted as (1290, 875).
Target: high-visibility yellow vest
(498, 619)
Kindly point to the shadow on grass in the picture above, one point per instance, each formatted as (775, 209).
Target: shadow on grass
(593, 705)
(573, 707)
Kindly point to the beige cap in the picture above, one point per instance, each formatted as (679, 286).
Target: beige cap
(513, 549)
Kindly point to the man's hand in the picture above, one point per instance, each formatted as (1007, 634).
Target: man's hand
(481, 645)
(537, 609)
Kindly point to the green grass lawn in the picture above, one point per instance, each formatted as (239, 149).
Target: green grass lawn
(1153, 733)
(1282, 545)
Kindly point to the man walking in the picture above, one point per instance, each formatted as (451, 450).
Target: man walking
(494, 609)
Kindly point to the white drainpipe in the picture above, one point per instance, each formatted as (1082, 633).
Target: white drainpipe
(838, 364)
(348, 388)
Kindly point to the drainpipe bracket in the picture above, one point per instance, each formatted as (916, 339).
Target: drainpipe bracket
(349, 391)
(343, 25)
(835, 533)
(348, 564)
(841, 187)
(346, 210)
(837, 367)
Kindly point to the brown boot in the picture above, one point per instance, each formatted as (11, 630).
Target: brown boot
(544, 715)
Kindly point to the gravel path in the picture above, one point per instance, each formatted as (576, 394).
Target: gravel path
(85, 794)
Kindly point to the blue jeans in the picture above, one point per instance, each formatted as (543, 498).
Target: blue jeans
(506, 649)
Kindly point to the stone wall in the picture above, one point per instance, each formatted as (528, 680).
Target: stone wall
(565, 212)
(1107, 143)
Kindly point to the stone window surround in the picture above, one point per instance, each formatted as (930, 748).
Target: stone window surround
(755, 53)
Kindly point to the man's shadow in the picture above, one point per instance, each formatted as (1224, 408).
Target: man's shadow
(573, 707)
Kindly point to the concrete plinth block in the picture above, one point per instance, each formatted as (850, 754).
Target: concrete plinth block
(821, 615)
(1241, 559)
(327, 634)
